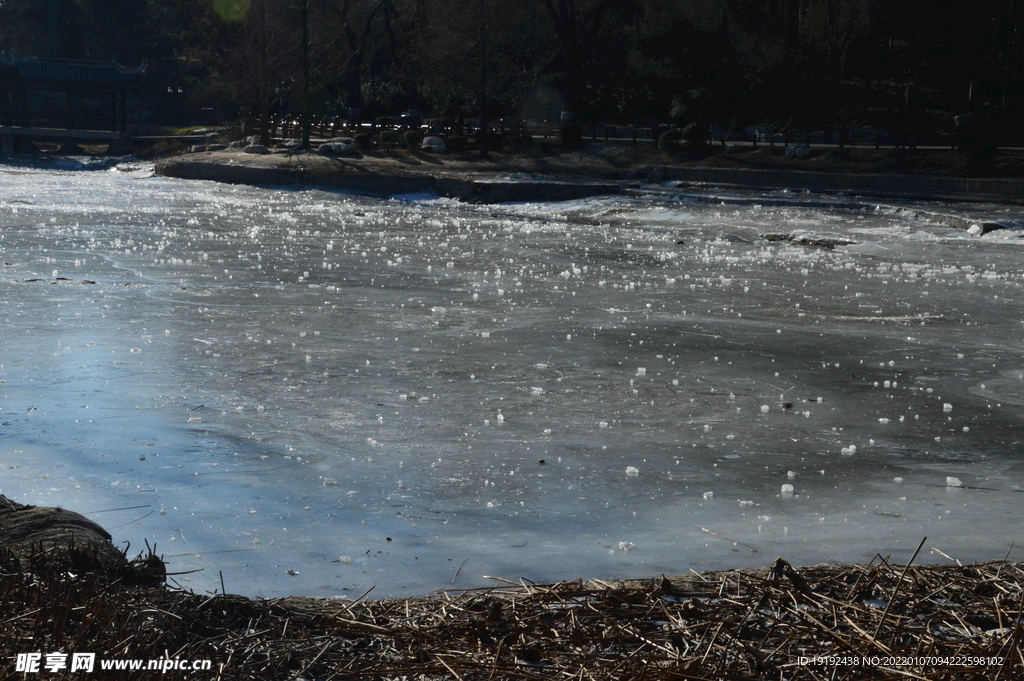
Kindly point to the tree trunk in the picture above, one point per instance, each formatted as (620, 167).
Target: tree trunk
(304, 114)
(482, 134)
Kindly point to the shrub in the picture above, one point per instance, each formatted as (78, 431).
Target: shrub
(363, 142)
(456, 143)
(389, 139)
(494, 141)
(412, 139)
(695, 134)
(572, 136)
(668, 141)
(524, 141)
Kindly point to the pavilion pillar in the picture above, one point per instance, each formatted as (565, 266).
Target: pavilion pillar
(124, 111)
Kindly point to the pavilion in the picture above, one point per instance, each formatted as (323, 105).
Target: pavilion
(63, 99)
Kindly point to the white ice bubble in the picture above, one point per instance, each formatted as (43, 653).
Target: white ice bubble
(790, 474)
(641, 371)
(709, 495)
(632, 471)
(883, 420)
(849, 451)
(947, 407)
(787, 490)
(626, 546)
(345, 560)
(765, 408)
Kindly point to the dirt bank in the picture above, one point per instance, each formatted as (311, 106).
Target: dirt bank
(601, 168)
(877, 621)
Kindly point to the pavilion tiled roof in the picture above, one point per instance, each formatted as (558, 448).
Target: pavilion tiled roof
(74, 71)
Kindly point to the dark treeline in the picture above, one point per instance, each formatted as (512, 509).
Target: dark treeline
(910, 64)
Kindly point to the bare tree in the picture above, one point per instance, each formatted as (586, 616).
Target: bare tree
(578, 25)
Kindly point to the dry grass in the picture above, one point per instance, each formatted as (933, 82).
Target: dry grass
(726, 625)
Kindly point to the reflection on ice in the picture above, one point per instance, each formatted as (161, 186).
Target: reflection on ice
(260, 381)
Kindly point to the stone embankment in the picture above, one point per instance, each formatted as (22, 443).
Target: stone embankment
(1002, 190)
(384, 182)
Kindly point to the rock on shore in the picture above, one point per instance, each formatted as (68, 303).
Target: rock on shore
(34, 537)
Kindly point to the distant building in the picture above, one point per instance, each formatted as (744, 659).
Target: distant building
(53, 95)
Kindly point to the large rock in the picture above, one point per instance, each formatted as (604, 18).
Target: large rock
(343, 146)
(434, 145)
(256, 149)
(42, 540)
(798, 151)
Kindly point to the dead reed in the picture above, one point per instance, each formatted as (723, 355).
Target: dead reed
(897, 622)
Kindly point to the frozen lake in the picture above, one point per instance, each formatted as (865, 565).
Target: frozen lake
(316, 393)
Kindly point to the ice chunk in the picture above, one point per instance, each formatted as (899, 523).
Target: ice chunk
(765, 408)
(883, 421)
(330, 482)
(709, 495)
(953, 482)
(787, 490)
(626, 546)
(849, 451)
(632, 471)
(947, 407)
(641, 371)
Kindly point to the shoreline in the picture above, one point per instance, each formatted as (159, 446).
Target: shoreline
(874, 621)
(879, 621)
(593, 171)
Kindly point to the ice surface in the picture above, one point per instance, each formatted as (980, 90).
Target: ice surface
(261, 381)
